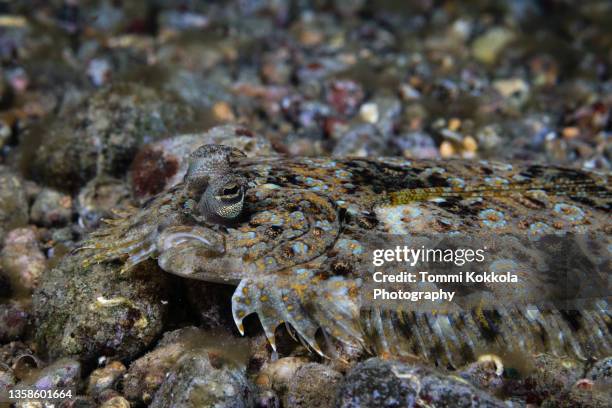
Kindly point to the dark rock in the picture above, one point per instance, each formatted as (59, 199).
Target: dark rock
(95, 311)
(102, 135)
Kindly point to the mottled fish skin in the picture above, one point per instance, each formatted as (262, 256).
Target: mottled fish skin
(300, 251)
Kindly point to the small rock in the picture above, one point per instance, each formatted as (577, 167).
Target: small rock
(278, 374)
(344, 96)
(416, 145)
(579, 398)
(105, 378)
(197, 381)
(570, 132)
(369, 112)
(361, 141)
(387, 114)
(313, 385)
(51, 208)
(485, 373)
(601, 372)
(146, 374)
(223, 112)
(98, 198)
(7, 379)
(78, 401)
(11, 352)
(99, 71)
(489, 137)
(381, 383)
(13, 202)
(487, 47)
(447, 149)
(516, 89)
(551, 377)
(13, 321)
(22, 259)
(116, 402)
(64, 373)
(408, 92)
(469, 144)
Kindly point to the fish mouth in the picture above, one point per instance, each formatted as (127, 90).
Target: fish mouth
(190, 251)
(175, 239)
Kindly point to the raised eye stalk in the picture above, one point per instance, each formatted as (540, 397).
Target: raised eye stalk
(223, 198)
(222, 191)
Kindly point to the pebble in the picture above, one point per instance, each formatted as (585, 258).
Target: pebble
(360, 141)
(116, 402)
(13, 321)
(369, 112)
(416, 145)
(62, 374)
(486, 373)
(344, 96)
(105, 378)
(51, 208)
(313, 385)
(14, 209)
(223, 112)
(22, 259)
(514, 89)
(487, 46)
(447, 149)
(278, 374)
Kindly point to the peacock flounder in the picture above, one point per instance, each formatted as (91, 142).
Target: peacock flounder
(296, 235)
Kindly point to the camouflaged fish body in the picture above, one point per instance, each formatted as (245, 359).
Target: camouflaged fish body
(299, 246)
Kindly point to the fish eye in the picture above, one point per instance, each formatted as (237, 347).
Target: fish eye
(230, 192)
(223, 199)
